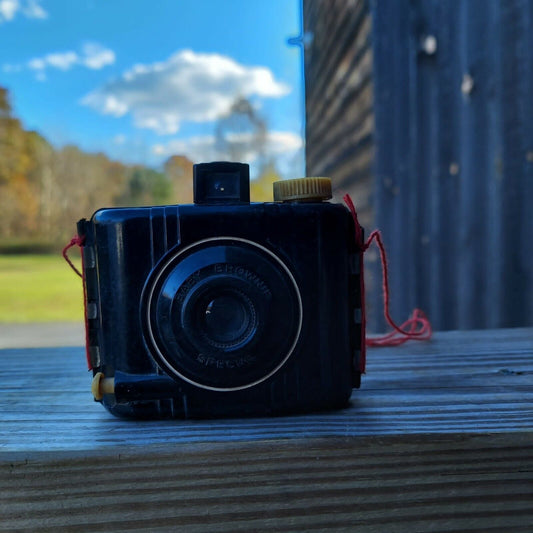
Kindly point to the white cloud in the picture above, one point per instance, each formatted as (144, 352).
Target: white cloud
(11, 68)
(203, 148)
(8, 9)
(119, 139)
(61, 60)
(93, 56)
(282, 142)
(29, 8)
(37, 64)
(188, 86)
(112, 106)
(33, 10)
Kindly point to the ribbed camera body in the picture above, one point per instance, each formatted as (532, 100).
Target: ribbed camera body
(223, 308)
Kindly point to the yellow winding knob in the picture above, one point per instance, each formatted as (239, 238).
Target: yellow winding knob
(102, 385)
(302, 190)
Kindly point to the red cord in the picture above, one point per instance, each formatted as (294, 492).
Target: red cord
(417, 327)
(75, 241)
(361, 245)
(79, 241)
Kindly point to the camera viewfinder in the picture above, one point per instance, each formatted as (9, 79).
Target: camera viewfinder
(221, 183)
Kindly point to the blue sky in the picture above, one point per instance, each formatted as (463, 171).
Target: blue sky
(142, 80)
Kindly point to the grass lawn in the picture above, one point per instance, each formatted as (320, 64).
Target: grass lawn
(39, 288)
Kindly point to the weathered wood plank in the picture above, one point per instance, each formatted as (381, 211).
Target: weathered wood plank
(442, 483)
(438, 439)
(461, 382)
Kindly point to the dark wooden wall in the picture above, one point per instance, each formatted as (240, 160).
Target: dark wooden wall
(449, 151)
(338, 92)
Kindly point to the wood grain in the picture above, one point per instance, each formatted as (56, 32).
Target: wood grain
(460, 382)
(452, 483)
(437, 439)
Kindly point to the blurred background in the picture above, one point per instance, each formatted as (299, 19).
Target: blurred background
(421, 110)
(111, 103)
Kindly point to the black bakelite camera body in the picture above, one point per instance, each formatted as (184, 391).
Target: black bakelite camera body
(223, 307)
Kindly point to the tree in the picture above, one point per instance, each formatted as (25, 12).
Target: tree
(5, 106)
(18, 204)
(241, 134)
(179, 172)
(145, 186)
(44, 191)
(261, 188)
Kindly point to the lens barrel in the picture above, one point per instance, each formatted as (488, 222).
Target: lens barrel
(228, 319)
(222, 314)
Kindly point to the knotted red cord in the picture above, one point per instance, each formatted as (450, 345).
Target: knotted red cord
(417, 327)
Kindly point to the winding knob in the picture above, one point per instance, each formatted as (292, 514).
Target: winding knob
(303, 190)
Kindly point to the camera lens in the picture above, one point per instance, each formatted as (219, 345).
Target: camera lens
(228, 319)
(215, 311)
(222, 314)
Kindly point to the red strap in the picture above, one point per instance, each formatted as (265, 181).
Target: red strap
(361, 245)
(75, 241)
(79, 241)
(417, 327)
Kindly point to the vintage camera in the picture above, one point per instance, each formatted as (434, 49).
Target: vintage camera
(224, 307)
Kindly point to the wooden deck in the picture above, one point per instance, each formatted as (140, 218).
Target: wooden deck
(439, 438)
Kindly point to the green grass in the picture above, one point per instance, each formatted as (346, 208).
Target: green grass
(39, 288)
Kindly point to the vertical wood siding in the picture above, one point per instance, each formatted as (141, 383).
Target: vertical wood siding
(338, 88)
(454, 158)
(449, 150)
